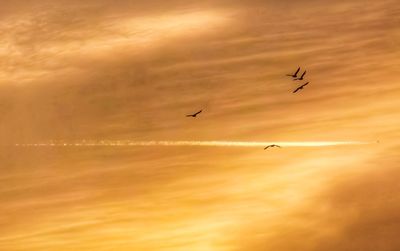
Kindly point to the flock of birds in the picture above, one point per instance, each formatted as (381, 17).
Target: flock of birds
(294, 76)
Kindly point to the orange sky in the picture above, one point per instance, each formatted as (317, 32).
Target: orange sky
(132, 70)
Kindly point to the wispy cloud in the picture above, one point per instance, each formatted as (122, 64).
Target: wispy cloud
(133, 69)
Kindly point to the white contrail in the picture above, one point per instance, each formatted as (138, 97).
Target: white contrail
(125, 143)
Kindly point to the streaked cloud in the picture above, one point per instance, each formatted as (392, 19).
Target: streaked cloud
(110, 71)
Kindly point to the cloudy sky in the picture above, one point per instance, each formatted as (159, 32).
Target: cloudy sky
(131, 70)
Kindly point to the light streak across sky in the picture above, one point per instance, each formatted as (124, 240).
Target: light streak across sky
(129, 143)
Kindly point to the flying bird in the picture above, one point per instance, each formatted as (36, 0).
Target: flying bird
(302, 75)
(195, 114)
(295, 74)
(265, 148)
(300, 87)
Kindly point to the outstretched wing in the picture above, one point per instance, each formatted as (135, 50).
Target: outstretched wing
(295, 74)
(195, 114)
(305, 84)
(298, 88)
(304, 73)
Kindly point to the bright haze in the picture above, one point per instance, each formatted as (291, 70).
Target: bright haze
(132, 70)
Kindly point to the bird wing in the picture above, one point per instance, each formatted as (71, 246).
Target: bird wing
(304, 73)
(305, 84)
(193, 115)
(298, 69)
(298, 88)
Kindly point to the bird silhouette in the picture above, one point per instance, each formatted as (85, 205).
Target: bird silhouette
(195, 114)
(302, 75)
(300, 87)
(265, 148)
(295, 74)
